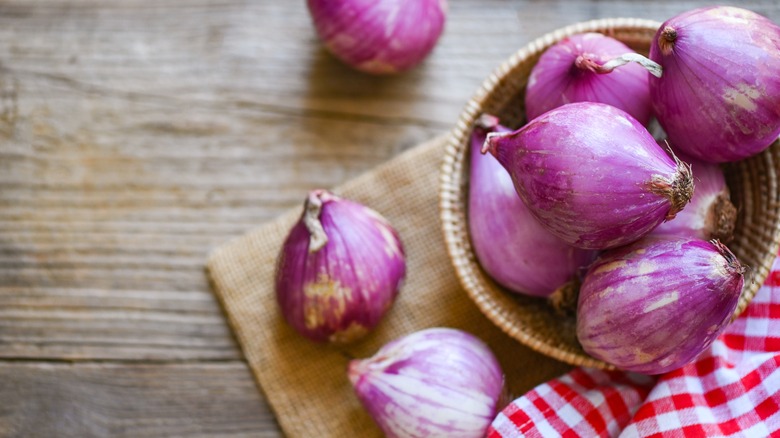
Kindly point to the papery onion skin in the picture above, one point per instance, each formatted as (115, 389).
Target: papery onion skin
(438, 382)
(379, 36)
(592, 175)
(339, 269)
(719, 96)
(512, 247)
(710, 214)
(565, 73)
(654, 306)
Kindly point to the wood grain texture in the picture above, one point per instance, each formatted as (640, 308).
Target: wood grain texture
(87, 400)
(137, 135)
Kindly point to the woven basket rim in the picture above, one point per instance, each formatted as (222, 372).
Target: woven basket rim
(452, 212)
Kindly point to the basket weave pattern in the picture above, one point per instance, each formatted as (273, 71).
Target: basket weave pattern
(753, 184)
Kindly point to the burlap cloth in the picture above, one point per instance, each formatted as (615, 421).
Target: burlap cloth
(305, 383)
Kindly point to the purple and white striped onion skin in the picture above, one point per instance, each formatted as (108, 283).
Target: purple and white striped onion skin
(569, 72)
(592, 174)
(438, 382)
(654, 306)
(511, 246)
(379, 36)
(710, 214)
(719, 96)
(339, 269)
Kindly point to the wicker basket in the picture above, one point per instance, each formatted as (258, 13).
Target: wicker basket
(753, 183)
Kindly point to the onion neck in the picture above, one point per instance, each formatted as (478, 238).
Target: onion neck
(488, 122)
(495, 144)
(722, 218)
(585, 61)
(564, 299)
(682, 188)
(653, 67)
(678, 191)
(311, 218)
(732, 263)
(666, 40)
(492, 143)
(356, 370)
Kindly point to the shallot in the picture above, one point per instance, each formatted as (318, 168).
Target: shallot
(654, 306)
(592, 175)
(719, 96)
(512, 247)
(438, 382)
(379, 36)
(578, 69)
(339, 270)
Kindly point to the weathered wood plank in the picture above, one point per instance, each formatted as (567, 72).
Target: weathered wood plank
(159, 400)
(78, 324)
(264, 54)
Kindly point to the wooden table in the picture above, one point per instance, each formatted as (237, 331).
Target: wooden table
(137, 135)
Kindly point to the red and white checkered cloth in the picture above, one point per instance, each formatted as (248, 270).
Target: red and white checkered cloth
(732, 389)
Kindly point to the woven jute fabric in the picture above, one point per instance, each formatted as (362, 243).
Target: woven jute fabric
(306, 383)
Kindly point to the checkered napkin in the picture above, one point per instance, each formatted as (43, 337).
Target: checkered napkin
(732, 389)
